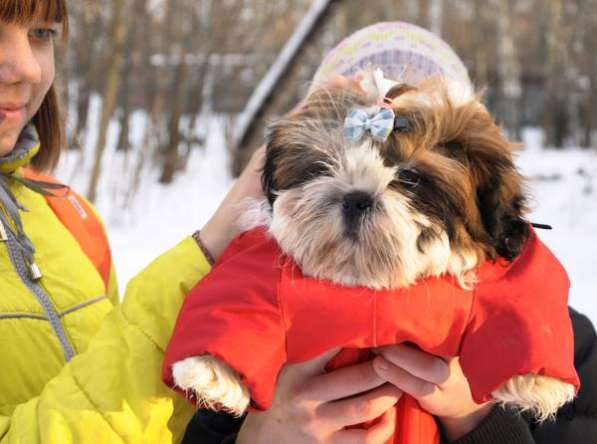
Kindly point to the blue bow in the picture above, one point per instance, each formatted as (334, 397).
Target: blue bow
(358, 122)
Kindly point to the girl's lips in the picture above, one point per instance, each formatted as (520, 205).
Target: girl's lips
(15, 114)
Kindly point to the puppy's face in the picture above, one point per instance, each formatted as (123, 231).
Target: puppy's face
(439, 195)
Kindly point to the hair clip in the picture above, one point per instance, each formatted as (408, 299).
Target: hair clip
(379, 125)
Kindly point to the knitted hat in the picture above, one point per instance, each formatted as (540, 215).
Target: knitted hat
(404, 52)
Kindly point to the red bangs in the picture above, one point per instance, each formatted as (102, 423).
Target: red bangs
(26, 11)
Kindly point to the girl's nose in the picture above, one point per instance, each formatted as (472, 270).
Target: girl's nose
(18, 63)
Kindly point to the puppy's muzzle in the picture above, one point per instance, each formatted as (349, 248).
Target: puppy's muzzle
(355, 206)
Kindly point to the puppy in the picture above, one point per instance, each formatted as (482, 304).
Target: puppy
(381, 194)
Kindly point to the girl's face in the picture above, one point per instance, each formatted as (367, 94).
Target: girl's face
(26, 74)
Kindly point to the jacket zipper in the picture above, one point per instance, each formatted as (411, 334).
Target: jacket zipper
(19, 263)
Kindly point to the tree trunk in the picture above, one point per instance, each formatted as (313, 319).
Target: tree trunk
(555, 120)
(480, 47)
(436, 17)
(173, 161)
(172, 154)
(508, 70)
(109, 97)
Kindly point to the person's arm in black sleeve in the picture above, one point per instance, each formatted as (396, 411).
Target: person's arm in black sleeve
(208, 427)
(501, 426)
(576, 422)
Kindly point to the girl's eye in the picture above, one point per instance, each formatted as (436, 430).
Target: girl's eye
(43, 34)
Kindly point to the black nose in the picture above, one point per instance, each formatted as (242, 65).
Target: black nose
(355, 204)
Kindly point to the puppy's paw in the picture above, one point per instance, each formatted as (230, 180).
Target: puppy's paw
(213, 382)
(541, 395)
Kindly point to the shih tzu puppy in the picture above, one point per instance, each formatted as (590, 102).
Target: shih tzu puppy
(380, 187)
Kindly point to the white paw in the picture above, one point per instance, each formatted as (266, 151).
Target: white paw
(541, 395)
(213, 382)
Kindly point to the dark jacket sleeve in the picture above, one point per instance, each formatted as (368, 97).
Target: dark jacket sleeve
(576, 423)
(499, 427)
(209, 427)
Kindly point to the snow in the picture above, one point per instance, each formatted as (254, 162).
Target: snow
(563, 185)
(160, 216)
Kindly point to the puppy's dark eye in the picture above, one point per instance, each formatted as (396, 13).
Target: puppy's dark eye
(408, 178)
(402, 124)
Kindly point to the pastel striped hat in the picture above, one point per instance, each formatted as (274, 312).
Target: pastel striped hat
(404, 52)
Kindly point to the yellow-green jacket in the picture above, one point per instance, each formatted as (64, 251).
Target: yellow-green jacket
(110, 391)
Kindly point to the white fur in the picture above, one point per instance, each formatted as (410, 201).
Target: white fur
(213, 382)
(257, 214)
(541, 395)
(375, 84)
(308, 225)
(462, 265)
(458, 93)
(363, 169)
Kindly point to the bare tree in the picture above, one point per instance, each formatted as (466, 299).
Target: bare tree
(109, 97)
(188, 23)
(86, 44)
(555, 119)
(508, 68)
(436, 16)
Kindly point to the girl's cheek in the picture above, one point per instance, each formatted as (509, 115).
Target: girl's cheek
(46, 61)
(48, 69)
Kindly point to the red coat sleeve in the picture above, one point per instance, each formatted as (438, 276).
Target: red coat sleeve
(234, 315)
(520, 324)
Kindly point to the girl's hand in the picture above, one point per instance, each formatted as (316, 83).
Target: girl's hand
(223, 225)
(439, 385)
(311, 406)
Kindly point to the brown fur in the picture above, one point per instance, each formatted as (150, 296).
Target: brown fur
(457, 147)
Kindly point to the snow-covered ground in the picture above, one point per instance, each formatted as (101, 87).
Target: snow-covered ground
(563, 185)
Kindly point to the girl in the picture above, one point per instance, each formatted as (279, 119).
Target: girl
(77, 365)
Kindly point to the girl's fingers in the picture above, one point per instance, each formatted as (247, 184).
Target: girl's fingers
(310, 369)
(341, 383)
(402, 379)
(417, 362)
(361, 408)
(379, 433)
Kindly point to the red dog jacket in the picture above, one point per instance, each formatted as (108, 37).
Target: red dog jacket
(256, 312)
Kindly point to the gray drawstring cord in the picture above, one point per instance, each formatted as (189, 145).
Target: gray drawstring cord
(10, 218)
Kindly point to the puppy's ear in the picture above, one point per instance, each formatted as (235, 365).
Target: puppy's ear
(498, 185)
(272, 152)
(501, 205)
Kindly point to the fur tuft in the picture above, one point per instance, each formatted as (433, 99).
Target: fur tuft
(258, 213)
(541, 395)
(214, 383)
